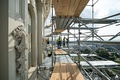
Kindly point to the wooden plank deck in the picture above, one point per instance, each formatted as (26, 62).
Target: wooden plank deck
(66, 71)
(60, 52)
(67, 8)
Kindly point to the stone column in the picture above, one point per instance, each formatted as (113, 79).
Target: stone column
(41, 21)
(40, 30)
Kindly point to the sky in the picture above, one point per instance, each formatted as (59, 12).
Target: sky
(102, 8)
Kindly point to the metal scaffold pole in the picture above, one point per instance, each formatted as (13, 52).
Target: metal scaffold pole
(68, 41)
(92, 23)
(79, 45)
(93, 18)
(52, 38)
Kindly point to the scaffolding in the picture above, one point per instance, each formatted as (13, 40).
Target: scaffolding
(89, 70)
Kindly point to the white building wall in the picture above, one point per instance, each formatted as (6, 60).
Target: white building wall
(13, 15)
(17, 17)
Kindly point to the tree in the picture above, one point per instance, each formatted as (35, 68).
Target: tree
(103, 53)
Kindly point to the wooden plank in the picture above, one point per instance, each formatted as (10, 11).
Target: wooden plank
(80, 7)
(68, 75)
(60, 51)
(69, 8)
(58, 6)
(59, 30)
(55, 75)
(57, 52)
(65, 7)
(71, 72)
(77, 74)
(72, 7)
(66, 71)
(63, 71)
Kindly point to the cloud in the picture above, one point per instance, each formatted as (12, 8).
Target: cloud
(85, 12)
(102, 8)
(106, 8)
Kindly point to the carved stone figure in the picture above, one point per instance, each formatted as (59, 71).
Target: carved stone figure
(19, 35)
(20, 47)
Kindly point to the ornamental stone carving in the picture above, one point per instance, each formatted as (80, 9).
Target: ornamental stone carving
(20, 47)
(19, 36)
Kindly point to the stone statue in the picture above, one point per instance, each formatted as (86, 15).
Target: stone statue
(19, 35)
(20, 47)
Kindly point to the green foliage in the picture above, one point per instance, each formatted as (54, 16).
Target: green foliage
(77, 58)
(103, 53)
(86, 51)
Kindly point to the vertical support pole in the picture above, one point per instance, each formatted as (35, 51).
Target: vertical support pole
(92, 8)
(79, 45)
(52, 37)
(74, 33)
(68, 42)
(92, 23)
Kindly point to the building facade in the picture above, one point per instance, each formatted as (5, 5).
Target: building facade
(22, 32)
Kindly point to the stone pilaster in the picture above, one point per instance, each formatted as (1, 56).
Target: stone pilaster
(40, 6)
(40, 18)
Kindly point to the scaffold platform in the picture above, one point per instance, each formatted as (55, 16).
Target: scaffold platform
(65, 68)
(66, 71)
